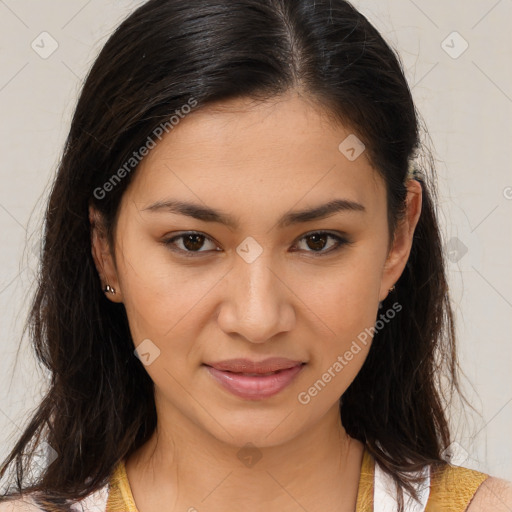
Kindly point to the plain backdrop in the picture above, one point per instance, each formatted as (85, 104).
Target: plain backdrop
(457, 57)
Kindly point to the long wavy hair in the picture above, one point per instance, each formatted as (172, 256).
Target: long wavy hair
(99, 406)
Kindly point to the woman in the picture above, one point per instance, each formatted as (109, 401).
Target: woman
(243, 300)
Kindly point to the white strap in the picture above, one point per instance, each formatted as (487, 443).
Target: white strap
(384, 495)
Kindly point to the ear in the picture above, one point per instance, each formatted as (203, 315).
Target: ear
(102, 256)
(402, 243)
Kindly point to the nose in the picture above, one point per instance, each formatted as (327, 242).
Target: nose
(256, 302)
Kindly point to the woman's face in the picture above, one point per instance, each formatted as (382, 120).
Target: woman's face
(269, 284)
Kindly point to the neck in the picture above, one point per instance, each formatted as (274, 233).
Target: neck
(186, 467)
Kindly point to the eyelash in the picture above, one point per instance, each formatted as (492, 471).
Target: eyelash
(341, 241)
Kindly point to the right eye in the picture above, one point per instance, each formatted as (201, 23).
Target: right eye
(190, 243)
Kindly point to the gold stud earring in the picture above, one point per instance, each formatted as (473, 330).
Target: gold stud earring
(392, 288)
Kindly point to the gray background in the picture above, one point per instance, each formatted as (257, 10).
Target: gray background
(465, 98)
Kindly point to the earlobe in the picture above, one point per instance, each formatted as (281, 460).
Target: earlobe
(402, 242)
(103, 258)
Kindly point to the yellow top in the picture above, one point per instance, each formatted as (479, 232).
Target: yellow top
(451, 489)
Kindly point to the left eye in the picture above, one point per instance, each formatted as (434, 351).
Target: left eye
(191, 242)
(318, 241)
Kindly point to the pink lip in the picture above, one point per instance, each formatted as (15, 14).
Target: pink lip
(253, 387)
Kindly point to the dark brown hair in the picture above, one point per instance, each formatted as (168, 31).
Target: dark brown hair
(100, 407)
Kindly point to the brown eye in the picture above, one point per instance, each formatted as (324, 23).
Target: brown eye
(193, 242)
(190, 243)
(319, 240)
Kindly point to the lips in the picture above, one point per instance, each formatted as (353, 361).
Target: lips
(247, 366)
(253, 380)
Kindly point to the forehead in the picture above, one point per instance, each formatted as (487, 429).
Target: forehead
(279, 152)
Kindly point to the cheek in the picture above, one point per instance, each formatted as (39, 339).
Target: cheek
(344, 300)
(162, 306)
(147, 288)
(164, 301)
(345, 295)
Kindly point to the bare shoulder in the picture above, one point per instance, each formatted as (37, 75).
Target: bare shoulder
(19, 505)
(493, 495)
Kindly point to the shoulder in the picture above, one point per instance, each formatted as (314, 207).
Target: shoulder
(493, 495)
(476, 491)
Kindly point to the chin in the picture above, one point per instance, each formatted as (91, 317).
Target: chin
(257, 427)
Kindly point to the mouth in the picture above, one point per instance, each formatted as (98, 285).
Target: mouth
(257, 374)
(255, 385)
(268, 366)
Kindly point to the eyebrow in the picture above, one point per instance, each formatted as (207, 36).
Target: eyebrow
(207, 214)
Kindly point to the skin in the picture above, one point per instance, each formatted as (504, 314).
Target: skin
(494, 495)
(255, 162)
